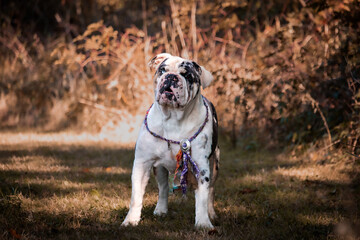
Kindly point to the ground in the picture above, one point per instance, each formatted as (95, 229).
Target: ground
(77, 186)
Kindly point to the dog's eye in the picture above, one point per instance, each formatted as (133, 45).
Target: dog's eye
(187, 75)
(162, 71)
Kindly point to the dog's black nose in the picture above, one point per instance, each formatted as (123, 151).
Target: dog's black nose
(172, 77)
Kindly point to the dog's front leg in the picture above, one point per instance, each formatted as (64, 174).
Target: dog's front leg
(202, 219)
(162, 177)
(139, 179)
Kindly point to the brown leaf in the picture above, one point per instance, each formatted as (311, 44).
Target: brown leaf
(108, 169)
(248, 190)
(14, 233)
(213, 231)
(85, 170)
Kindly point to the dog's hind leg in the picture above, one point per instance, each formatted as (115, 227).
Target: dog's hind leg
(139, 179)
(162, 175)
(215, 159)
(202, 219)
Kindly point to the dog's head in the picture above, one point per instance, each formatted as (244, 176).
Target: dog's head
(177, 81)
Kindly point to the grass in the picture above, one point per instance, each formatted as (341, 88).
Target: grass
(68, 186)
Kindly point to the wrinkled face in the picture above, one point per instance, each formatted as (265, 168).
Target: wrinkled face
(176, 82)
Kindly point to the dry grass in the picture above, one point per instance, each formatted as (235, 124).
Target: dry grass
(77, 186)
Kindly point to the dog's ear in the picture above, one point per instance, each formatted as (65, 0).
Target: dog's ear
(155, 62)
(205, 78)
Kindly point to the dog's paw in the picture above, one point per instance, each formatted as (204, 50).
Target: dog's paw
(160, 211)
(127, 223)
(204, 225)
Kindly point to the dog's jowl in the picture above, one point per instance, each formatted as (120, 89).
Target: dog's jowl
(179, 135)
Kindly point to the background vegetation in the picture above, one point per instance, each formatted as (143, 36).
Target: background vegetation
(285, 70)
(287, 76)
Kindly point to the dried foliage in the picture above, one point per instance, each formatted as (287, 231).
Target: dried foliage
(286, 71)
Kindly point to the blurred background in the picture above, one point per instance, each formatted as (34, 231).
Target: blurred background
(286, 72)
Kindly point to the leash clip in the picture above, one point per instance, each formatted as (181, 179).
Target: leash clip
(185, 145)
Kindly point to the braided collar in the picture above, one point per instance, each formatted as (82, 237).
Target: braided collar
(173, 141)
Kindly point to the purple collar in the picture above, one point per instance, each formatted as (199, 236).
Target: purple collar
(178, 142)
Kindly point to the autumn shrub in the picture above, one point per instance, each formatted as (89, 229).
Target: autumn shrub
(285, 72)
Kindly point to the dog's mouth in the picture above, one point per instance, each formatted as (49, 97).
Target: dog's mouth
(169, 93)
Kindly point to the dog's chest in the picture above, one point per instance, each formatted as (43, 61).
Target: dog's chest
(167, 158)
(163, 153)
(200, 150)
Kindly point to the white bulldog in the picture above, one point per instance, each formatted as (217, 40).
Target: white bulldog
(180, 112)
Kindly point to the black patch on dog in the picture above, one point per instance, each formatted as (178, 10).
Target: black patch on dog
(173, 78)
(206, 179)
(169, 96)
(202, 173)
(197, 67)
(214, 141)
(191, 75)
(206, 140)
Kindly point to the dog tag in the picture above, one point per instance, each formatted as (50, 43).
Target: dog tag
(185, 145)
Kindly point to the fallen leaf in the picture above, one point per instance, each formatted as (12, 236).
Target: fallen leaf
(248, 190)
(108, 169)
(213, 231)
(14, 233)
(85, 170)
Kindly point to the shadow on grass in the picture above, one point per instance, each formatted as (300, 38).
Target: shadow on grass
(10, 186)
(42, 225)
(76, 164)
(255, 201)
(281, 207)
(76, 156)
(65, 226)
